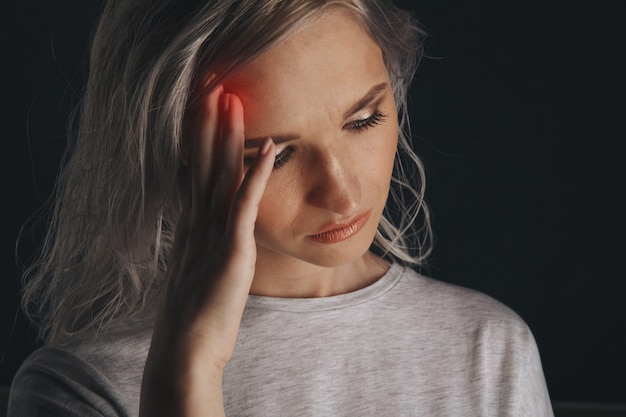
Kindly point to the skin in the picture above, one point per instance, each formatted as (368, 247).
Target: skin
(248, 225)
(304, 87)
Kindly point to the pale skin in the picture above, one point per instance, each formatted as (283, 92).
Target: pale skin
(257, 223)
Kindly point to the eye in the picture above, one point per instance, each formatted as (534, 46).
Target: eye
(280, 160)
(375, 119)
(284, 156)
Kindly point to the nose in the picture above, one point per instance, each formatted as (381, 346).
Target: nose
(334, 185)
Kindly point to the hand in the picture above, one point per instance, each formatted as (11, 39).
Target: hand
(212, 263)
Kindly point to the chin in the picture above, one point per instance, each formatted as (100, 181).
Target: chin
(336, 260)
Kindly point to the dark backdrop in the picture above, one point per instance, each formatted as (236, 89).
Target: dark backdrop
(515, 112)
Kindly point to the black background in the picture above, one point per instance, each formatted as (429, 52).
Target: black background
(516, 113)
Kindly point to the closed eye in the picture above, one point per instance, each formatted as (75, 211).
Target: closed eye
(284, 156)
(356, 126)
(281, 158)
(375, 119)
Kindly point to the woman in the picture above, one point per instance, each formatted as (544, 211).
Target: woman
(266, 135)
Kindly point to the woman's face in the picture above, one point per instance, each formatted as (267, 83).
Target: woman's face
(324, 96)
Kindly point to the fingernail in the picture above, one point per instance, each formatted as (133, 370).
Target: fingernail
(265, 147)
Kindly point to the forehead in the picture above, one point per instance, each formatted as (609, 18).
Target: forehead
(325, 65)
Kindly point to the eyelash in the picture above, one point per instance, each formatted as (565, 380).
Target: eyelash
(284, 156)
(358, 125)
(375, 119)
(280, 160)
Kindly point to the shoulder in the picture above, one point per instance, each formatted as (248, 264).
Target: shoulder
(91, 376)
(437, 293)
(465, 323)
(491, 348)
(446, 305)
(55, 381)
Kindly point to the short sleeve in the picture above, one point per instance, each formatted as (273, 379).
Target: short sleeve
(534, 399)
(53, 382)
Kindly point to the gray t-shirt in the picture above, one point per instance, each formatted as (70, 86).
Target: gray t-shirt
(406, 345)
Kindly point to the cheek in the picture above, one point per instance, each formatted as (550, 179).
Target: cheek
(268, 208)
(391, 144)
(277, 208)
(282, 207)
(381, 155)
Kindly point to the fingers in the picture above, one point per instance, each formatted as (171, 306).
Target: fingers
(230, 156)
(203, 144)
(245, 205)
(219, 190)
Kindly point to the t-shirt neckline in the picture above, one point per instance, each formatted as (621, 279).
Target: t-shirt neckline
(333, 302)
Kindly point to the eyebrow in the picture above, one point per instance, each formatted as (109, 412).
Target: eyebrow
(370, 96)
(256, 142)
(366, 100)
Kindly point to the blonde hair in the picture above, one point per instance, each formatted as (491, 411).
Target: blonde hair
(118, 198)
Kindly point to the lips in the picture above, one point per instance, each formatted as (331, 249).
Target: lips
(337, 232)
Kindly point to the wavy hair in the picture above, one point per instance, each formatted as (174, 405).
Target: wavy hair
(118, 197)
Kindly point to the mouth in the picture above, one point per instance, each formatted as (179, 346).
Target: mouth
(338, 232)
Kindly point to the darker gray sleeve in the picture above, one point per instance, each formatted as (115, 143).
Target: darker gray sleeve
(54, 382)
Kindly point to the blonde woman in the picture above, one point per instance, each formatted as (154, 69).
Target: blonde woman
(233, 231)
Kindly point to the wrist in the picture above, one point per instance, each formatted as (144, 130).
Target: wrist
(181, 384)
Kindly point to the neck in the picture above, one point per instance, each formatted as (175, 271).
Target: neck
(294, 278)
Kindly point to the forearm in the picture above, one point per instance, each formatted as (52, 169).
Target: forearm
(181, 384)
